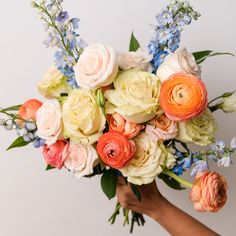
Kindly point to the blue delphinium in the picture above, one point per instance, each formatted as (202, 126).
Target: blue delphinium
(167, 32)
(62, 33)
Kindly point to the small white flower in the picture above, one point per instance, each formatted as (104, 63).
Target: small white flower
(225, 161)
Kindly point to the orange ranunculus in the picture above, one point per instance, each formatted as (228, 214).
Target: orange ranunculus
(183, 97)
(28, 110)
(115, 150)
(119, 124)
(209, 192)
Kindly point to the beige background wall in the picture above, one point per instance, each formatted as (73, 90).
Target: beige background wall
(38, 203)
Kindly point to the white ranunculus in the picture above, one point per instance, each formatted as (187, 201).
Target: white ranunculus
(96, 67)
(139, 60)
(49, 122)
(81, 159)
(148, 161)
(229, 104)
(180, 61)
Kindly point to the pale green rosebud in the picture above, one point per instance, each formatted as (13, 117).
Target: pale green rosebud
(229, 104)
(100, 99)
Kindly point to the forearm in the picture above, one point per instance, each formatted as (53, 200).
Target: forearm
(177, 222)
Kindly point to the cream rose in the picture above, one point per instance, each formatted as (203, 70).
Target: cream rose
(200, 130)
(161, 128)
(139, 60)
(53, 84)
(81, 159)
(180, 61)
(83, 119)
(135, 97)
(149, 159)
(49, 122)
(96, 67)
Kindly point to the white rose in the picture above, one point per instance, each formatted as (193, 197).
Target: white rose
(147, 163)
(53, 84)
(81, 160)
(229, 104)
(139, 60)
(49, 122)
(83, 119)
(96, 67)
(180, 61)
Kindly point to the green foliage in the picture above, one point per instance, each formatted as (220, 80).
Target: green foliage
(109, 183)
(134, 44)
(172, 183)
(201, 56)
(19, 142)
(136, 191)
(50, 168)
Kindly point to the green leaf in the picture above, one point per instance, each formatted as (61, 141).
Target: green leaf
(109, 183)
(136, 191)
(134, 44)
(97, 170)
(50, 168)
(172, 183)
(19, 142)
(12, 108)
(201, 56)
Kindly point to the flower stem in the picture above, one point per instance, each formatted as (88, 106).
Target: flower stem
(177, 178)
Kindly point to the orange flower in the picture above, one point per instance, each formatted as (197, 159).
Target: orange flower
(115, 150)
(183, 97)
(28, 110)
(119, 124)
(209, 192)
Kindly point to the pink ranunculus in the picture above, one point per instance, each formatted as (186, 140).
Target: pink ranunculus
(209, 192)
(119, 124)
(161, 128)
(55, 154)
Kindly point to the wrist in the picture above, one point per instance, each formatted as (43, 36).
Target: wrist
(158, 207)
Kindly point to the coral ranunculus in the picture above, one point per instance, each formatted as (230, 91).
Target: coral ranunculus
(115, 150)
(119, 124)
(56, 154)
(209, 192)
(183, 97)
(28, 110)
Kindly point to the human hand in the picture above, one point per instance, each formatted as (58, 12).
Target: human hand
(151, 199)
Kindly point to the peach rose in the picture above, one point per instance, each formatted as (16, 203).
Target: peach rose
(56, 154)
(119, 124)
(96, 67)
(115, 150)
(161, 128)
(209, 192)
(28, 110)
(81, 159)
(183, 97)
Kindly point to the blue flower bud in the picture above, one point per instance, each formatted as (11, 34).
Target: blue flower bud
(23, 132)
(26, 138)
(30, 126)
(36, 143)
(42, 142)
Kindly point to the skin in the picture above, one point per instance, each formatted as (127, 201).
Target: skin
(154, 205)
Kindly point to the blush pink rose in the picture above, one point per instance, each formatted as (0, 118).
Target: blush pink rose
(56, 154)
(209, 192)
(119, 124)
(81, 159)
(161, 128)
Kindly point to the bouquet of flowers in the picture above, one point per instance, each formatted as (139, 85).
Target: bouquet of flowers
(129, 115)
